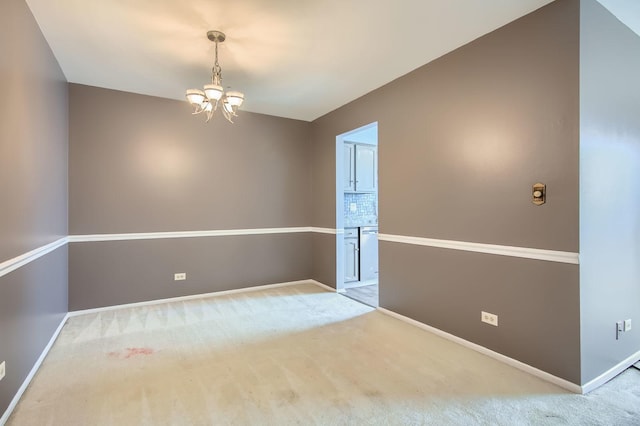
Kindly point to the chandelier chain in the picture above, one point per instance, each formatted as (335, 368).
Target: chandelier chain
(216, 71)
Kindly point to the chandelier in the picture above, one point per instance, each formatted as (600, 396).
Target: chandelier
(207, 100)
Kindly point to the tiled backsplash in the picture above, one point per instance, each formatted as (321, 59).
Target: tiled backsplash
(366, 209)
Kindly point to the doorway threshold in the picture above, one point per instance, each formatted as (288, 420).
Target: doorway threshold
(367, 294)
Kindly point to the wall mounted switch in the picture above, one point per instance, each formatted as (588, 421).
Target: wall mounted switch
(353, 207)
(180, 276)
(2, 369)
(539, 194)
(627, 325)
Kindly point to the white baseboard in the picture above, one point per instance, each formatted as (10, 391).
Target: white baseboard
(32, 373)
(488, 352)
(189, 297)
(611, 373)
(324, 286)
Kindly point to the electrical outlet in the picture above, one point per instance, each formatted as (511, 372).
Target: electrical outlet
(2, 370)
(181, 276)
(627, 325)
(491, 319)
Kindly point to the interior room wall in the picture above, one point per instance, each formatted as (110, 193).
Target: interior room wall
(33, 187)
(609, 189)
(461, 141)
(140, 164)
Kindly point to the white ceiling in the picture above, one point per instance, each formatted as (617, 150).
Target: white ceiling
(292, 58)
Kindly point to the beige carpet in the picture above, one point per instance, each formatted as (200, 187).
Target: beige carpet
(290, 355)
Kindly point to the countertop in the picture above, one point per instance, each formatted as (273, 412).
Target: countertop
(371, 221)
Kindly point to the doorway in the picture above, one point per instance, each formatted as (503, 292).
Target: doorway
(357, 214)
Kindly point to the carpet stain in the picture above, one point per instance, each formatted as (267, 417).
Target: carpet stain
(290, 396)
(130, 352)
(372, 393)
(555, 417)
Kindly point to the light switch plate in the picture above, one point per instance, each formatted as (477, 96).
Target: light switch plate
(2, 370)
(627, 325)
(353, 207)
(539, 194)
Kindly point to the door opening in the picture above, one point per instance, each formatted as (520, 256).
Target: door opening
(357, 214)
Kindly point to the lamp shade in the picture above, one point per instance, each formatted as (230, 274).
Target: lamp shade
(235, 98)
(213, 91)
(195, 96)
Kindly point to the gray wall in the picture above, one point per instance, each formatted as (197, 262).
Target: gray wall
(609, 188)
(145, 164)
(33, 187)
(324, 258)
(116, 272)
(461, 141)
(33, 302)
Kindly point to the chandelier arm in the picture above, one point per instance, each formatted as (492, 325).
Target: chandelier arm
(226, 114)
